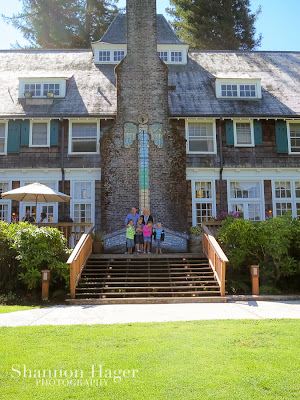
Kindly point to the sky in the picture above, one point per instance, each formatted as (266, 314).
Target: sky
(278, 23)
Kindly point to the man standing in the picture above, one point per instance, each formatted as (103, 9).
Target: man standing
(134, 216)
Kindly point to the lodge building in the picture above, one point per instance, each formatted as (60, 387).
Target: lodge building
(140, 120)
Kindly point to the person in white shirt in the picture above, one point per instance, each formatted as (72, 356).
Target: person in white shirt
(43, 218)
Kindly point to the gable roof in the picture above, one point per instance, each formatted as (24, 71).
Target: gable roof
(116, 32)
(91, 89)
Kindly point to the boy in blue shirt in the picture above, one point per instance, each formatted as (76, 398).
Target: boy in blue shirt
(159, 236)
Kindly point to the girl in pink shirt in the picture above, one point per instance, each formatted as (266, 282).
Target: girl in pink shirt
(147, 231)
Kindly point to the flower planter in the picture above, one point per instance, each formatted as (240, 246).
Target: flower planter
(97, 247)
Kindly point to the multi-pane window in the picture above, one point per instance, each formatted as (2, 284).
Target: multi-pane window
(39, 134)
(3, 188)
(201, 137)
(163, 55)
(34, 88)
(294, 137)
(119, 55)
(2, 138)
(176, 56)
(229, 90)
(104, 56)
(247, 90)
(238, 90)
(49, 211)
(41, 89)
(82, 195)
(243, 132)
(246, 199)
(287, 197)
(204, 201)
(51, 88)
(84, 137)
(3, 212)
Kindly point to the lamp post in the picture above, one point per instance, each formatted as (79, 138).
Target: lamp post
(45, 284)
(255, 279)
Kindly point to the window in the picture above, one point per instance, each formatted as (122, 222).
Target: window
(104, 56)
(201, 137)
(163, 55)
(243, 133)
(4, 212)
(51, 88)
(39, 135)
(294, 137)
(84, 137)
(231, 89)
(119, 55)
(3, 136)
(176, 56)
(286, 195)
(203, 199)
(246, 199)
(83, 197)
(41, 89)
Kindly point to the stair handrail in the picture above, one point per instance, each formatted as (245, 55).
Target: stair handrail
(78, 259)
(216, 257)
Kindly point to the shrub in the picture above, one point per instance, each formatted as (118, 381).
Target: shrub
(273, 244)
(196, 230)
(35, 249)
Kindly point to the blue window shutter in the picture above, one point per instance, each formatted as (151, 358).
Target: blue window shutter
(257, 133)
(229, 133)
(25, 133)
(54, 133)
(13, 138)
(281, 137)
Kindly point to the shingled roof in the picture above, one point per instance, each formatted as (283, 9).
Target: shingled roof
(91, 89)
(116, 33)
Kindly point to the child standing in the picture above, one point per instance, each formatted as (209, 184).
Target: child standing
(147, 231)
(159, 236)
(130, 232)
(139, 240)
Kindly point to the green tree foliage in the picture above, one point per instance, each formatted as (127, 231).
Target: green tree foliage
(31, 249)
(215, 24)
(63, 24)
(274, 245)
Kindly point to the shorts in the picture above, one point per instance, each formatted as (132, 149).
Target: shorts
(130, 242)
(147, 239)
(158, 243)
(139, 239)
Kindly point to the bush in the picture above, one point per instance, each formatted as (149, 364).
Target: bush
(31, 249)
(274, 245)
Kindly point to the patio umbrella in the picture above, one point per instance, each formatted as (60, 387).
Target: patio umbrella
(36, 192)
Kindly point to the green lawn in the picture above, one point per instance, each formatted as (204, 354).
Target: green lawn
(6, 309)
(234, 360)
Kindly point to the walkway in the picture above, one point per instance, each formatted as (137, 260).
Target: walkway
(129, 313)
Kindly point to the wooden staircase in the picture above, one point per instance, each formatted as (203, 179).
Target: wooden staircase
(146, 276)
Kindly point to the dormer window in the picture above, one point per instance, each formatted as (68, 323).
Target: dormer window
(104, 56)
(176, 56)
(119, 55)
(247, 89)
(163, 55)
(42, 87)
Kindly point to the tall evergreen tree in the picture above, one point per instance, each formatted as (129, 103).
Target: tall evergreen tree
(215, 24)
(63, 23)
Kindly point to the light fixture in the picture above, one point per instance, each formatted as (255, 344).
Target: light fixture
(50, 95)
(27, 95)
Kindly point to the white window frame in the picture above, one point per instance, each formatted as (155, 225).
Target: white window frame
(42, 81)
(23, 205)
(196, 200)
(238, 82)
(293, 199)
(192, 121)
(39, 121)
(5, 201)
(289, 136)
(107, 51)
(82, 121)
(246, 201)
(74, 201)
(5, 122)
(236, 144)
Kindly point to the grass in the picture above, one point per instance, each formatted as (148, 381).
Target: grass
(7, 309)
(233, 360)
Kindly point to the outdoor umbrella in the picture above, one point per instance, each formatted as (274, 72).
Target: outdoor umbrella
(36, 192)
